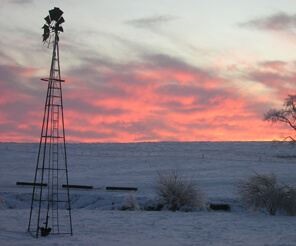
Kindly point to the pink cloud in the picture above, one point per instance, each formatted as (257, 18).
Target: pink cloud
(276, 75)
(159, 99)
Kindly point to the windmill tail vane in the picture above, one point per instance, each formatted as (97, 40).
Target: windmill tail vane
(50, 211)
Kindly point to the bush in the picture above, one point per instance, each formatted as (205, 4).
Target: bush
(288, 202)
(130, 203)
(262, 191)
(175, 191)
(2, 203)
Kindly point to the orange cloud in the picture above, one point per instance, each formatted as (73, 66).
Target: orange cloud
(160, 99)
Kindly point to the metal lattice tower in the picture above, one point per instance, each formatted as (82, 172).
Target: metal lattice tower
(50, 211)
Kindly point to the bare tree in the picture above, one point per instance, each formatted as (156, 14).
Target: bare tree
(286, 115)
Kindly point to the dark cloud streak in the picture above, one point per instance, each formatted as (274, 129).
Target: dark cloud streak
(151, 22)
(277, 22)
(22, 2)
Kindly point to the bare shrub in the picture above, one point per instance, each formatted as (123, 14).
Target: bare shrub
(259, 191)
(130, 203)
(2, 203)
(287, 204)
(262, 191)
(175, 191)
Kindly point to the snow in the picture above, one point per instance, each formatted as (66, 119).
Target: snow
(97, 219)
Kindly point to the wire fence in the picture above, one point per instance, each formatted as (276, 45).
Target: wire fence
(125, 152)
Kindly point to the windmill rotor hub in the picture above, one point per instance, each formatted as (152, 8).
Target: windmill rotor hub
(53, 23)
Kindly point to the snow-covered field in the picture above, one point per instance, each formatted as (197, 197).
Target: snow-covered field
(217, 166)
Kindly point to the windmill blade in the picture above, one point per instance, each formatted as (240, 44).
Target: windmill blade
(47, 19)
(46, 28)
(60, 28)
(45, 36)
(61, 20)
(46, 32)
(55, 14)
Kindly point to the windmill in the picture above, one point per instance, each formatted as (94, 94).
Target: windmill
(50, 211)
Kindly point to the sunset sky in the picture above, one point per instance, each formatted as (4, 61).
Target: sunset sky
(157, 70)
